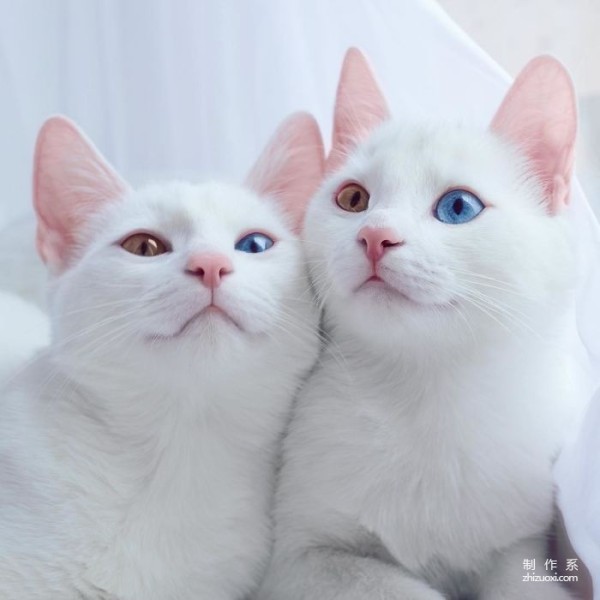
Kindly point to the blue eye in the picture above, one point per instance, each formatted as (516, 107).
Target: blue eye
(457, 206)
(254, 243)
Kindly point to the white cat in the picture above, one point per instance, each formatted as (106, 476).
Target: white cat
(418, 462)
(137, 453)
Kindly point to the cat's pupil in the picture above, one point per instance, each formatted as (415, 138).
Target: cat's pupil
(355, 199)
(149, 248)
(254, 247)
(458, 206)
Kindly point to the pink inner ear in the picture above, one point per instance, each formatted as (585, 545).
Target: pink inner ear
(71, 180)
(291, 167)
(359, 107)
(539, 115)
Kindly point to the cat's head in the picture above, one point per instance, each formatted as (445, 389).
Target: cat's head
(173, 273)
(424, 233)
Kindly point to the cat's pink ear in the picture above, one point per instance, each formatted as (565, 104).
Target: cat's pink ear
(359, 107)
(539, 116)
(71, 180)
(291, 167)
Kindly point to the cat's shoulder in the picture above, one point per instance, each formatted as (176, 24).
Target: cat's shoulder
(27, 396)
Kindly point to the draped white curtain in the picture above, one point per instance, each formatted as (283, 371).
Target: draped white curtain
(193, 88)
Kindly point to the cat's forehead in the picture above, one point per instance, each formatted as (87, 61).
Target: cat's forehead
(430, 156)
(187, 208)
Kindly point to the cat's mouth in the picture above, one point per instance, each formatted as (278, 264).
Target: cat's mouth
(212, 312)
(379, 285)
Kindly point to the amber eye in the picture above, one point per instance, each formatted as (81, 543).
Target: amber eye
(144, 244)
(353, 198)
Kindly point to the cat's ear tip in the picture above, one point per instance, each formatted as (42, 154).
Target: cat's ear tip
(58, 120)
(546, 84)
(304, 125)
(546, 63)
(555, 85)
(354, 54)
(356, 62)
(55, 133)
(547, 68)
(302, 119)
(56, 125)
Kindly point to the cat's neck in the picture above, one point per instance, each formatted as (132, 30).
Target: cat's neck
(127, 442)
(422, 359)
(126, 398)
(136, 425)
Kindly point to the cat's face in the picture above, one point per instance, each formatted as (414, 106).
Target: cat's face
(431, 234)
(406, 264)
(176, 274)
(181, 267)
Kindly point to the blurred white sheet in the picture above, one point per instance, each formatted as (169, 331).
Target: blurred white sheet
(21, 270)
(194, 88)
(24, 329)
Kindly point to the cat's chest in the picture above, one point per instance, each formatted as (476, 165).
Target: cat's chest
(445, 480)
(446, 493)
(178, 509)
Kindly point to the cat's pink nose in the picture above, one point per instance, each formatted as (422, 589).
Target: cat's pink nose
(209, 268)
(377, 240)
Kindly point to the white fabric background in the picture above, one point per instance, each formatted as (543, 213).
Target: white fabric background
(194, 88)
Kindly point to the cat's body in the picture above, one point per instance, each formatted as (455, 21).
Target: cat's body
(430, 482)
(155, 501)
(137, 452)
(418, 462)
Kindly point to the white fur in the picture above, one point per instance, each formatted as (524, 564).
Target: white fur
(418, 462)
(135, 465)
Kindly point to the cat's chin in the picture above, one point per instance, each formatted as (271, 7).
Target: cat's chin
(377, 290)
(210, 317)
